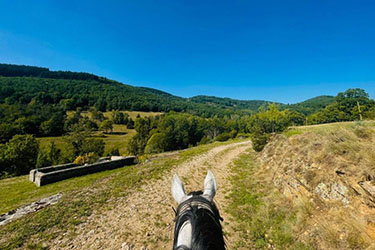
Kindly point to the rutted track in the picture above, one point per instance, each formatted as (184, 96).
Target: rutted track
(144, 219)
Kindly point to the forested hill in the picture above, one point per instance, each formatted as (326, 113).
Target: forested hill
(312, 105)
(21, 84)
(251, 105)
(25, 84)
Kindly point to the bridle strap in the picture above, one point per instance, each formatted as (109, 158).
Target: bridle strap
(199, 202)
(181, 247)
(184, 207)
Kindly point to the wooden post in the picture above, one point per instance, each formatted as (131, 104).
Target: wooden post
(359, 110)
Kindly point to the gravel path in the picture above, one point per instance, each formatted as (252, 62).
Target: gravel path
(144, 219)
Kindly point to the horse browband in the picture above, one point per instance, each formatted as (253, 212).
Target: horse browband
(196, 201)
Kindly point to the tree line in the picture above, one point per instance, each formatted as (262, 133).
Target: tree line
(21, 152)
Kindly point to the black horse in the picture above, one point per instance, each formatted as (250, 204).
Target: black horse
(197, 217)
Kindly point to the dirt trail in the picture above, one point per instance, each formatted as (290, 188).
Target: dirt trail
(144, 219)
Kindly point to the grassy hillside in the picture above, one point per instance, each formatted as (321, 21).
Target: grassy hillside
(312, 187)
(327, 173)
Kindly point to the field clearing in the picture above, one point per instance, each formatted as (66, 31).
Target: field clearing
(118, 139)
(132, 114)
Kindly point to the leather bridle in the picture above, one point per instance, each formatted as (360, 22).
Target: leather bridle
(182, 215)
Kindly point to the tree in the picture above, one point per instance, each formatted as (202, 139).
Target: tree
(92, 145)
(19, 155)
(79, 143)
(119, 117)
(106, 125)
(271, 120)
(157, 143)
(130, 124)
(97, 115)
(54, 126)
(48, 156)
(348, 106)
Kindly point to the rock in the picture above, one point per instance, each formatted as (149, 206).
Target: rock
(33, 207)
(127, 246)
(368, 186)
(334, 191)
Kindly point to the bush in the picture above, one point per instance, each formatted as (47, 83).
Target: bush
(119, 117)
(130, 124)
(242, 135)
(233, 134)
(86, 158)
(156, 144)
(113, 152)
(93, 146)
(49, 156)
(43, 159)
(223, 137)
(106, 125)
(259, 140)
(204, 140)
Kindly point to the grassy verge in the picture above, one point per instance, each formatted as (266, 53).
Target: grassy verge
(323, 128)
(81, 196)
(264, 217)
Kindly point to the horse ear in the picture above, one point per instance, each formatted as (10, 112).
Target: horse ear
(209, 185)
(178, 191)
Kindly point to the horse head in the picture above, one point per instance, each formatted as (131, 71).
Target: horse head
(197, 217)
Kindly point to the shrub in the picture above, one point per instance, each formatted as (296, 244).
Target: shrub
(43, 159)
(113, 152)
(223, 137)
(106, 125)
(156, 144)
(204, 140)
(86, 158)
(130, 124)
(93, 146)
(259, 140)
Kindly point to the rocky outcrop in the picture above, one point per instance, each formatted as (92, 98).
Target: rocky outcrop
(331, 169)
(31, 208)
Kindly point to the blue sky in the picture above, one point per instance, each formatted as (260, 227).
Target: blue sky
(284, 51)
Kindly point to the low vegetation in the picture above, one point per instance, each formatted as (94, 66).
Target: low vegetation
(329, 167)
(265, 218)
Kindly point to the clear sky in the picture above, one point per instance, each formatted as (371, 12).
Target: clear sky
(284, 51)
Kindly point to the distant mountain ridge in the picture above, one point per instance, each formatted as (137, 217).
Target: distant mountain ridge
(22, 84)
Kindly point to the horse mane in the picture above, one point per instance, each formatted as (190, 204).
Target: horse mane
(207, 233)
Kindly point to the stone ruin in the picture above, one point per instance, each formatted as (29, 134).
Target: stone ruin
(43, 176)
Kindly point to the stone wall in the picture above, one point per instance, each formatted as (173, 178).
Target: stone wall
(53, 174)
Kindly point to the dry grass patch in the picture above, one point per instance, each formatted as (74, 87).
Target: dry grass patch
(327, 165)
